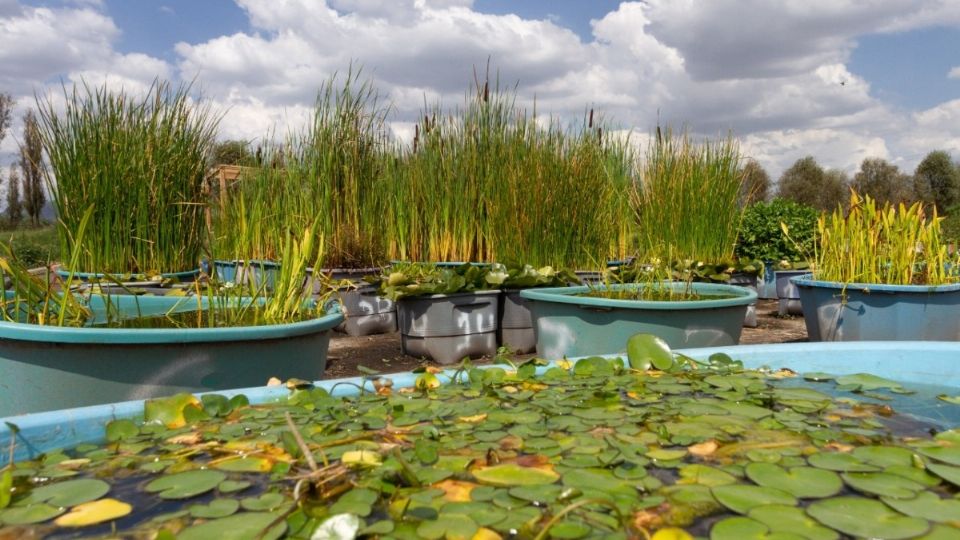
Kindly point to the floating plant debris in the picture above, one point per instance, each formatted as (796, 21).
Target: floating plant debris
(668, 448)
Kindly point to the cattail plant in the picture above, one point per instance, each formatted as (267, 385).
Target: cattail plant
(139, 162)
(686, 198)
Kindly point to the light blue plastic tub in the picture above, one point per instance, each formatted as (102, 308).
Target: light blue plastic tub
(908, 362)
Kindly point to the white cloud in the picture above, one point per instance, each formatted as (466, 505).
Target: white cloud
(954, 73)
(772, 71)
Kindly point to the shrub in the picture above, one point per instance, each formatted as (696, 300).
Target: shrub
(761, 236)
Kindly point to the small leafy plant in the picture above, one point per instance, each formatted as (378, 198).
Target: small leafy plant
(762, 236)
(526, 276)
(419, 279)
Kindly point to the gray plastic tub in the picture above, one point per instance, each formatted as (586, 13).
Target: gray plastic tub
(449, 327)
(788, 293)
(366, 312)
(516, 323)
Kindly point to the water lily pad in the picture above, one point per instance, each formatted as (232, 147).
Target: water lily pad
(927, 505)
(883, 484)
(543, 493)
(801, 482)
(946, 454)
(865, 382)
(232, 486)
(69, 493)
(857, 516)
(949, 473)
(840, 462)
(245, 464)
(742, 528)
(28, 515)
(705, 475)
(118, 430)
(169, 411)
(185, 484)
(242, 526)
(94, 512)
(218, 508)
(883, 456)
(356, 501)
(789, 519)
(741, 498)
(449, 526)
(647, 350)
(667, 454)
(511, 474)
(266, 501)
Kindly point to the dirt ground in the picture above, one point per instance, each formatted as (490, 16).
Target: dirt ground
(382, 352)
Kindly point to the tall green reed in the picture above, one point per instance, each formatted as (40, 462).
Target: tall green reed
(686, 198)
(885, 244)
(139, 162)
(492, 181)
(328, 174)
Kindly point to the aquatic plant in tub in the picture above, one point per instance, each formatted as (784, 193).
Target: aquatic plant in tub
(576, 321)
(726, 443)
(882, 272)
(444, 314)
(63, 350)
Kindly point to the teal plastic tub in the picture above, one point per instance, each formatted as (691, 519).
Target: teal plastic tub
(186, 275)
(860, 312)
(257, 273)
(569, 325)
(44, 368)
(908, 362)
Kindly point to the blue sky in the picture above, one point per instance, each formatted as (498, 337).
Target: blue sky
(841, 80)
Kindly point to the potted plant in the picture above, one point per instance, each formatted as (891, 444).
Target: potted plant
(597, 319)
(68, 349)
(139, 163)
(882, 273)
(781, 234)
(444, 314)
(514, 319)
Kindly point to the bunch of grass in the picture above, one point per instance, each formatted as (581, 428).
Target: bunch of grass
(887, 244)
(490, 181)
(139, 163)
(686, 198)
(330, 173)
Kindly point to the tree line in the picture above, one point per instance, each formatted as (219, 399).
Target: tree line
(935, 182)
(25, 194)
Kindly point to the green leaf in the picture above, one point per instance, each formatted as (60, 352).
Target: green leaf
(69, 493)
(646, 350)
(789, 519)
(927, 505)
(28, 515)
(860, 517)
(742, 498)
(185, 484)
(883, 484)
(218, 508)
(840, 462)
(449, 526)
(742, 528)
(6, 484)
(946, 454)
(242, 526)
(510, 474)
(801, 482)
(118, 430)
(265, 502)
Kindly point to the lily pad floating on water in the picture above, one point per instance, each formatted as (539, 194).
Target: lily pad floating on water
(801, 482)
(927, 505)
(243, 526)
(868, 518)
(511, 474)
(793, 520)
(185, 484)
(883, 484)
(68, 493)
(741, 498)
(94, 512)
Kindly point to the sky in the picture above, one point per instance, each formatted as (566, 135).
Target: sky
(841, 80)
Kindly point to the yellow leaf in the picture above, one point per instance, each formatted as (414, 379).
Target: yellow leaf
(361, 457)
(169, 410)
(473, 419)
(671, 533)
(455, 490)
(484, 533)
(703, 449)
(94, 512)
